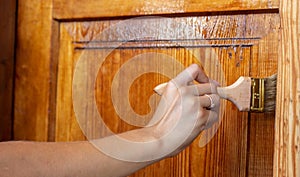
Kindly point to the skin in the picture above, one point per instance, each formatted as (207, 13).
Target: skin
(181, 116)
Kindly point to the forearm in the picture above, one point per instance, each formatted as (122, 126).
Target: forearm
(64, 159)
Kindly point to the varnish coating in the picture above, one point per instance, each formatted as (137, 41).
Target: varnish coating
(245, 44)
(70, 9)
(238, 53)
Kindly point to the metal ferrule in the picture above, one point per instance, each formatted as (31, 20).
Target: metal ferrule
(257, 94)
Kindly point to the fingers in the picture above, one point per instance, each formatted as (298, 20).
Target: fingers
(197, 90)
(186, 77)
(213, 117)
(193, 72)
(198, 74)
(210, 109)
(209, 101)
(201, 89)
(205, 93)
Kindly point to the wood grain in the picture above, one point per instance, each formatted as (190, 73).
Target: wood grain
(261, 126)
(72, 9)
(54, 54)
(244, 44)
(239, 137)
(287, 131)
(7, 55)
(32, 78)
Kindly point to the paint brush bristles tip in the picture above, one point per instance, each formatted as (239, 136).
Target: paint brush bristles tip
(263, 94)
(270, 93)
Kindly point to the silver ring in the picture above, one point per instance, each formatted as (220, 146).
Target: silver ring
(212, 104)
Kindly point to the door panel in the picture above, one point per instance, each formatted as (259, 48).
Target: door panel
(226, 46)
(72, 9)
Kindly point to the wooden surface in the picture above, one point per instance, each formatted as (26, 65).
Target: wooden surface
(7, 46)
(261, 126)
(73, 9)
(287, 135)
(246, 140)
(32, 78)
(244, 42)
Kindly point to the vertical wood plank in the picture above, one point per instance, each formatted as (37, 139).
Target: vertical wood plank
(32, 70)
(7, 46)
(287, 131)
(54, 55)
(66, 126)
(264, 60)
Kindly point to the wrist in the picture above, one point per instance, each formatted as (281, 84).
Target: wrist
(140, 145)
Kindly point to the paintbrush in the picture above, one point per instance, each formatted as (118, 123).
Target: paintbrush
(247, 94)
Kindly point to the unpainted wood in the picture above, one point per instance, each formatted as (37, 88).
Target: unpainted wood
(287, 127)
(72, 9)
(7, 54)
(239, 93)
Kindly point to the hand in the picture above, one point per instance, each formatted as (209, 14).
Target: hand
(185, 109)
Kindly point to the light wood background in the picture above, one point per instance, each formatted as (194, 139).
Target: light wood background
(287, 131)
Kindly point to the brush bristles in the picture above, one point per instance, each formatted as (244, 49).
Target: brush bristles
(270, 93)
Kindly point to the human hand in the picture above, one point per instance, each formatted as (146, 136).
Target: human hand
(185, 109)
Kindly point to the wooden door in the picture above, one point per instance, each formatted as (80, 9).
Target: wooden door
(227, 39)
(7, 46)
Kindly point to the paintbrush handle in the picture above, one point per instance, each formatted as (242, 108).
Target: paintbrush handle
(239, 93)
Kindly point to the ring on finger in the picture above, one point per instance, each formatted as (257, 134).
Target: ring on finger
(212, 104)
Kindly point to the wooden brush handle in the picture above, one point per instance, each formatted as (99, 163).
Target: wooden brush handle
(239, 93)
